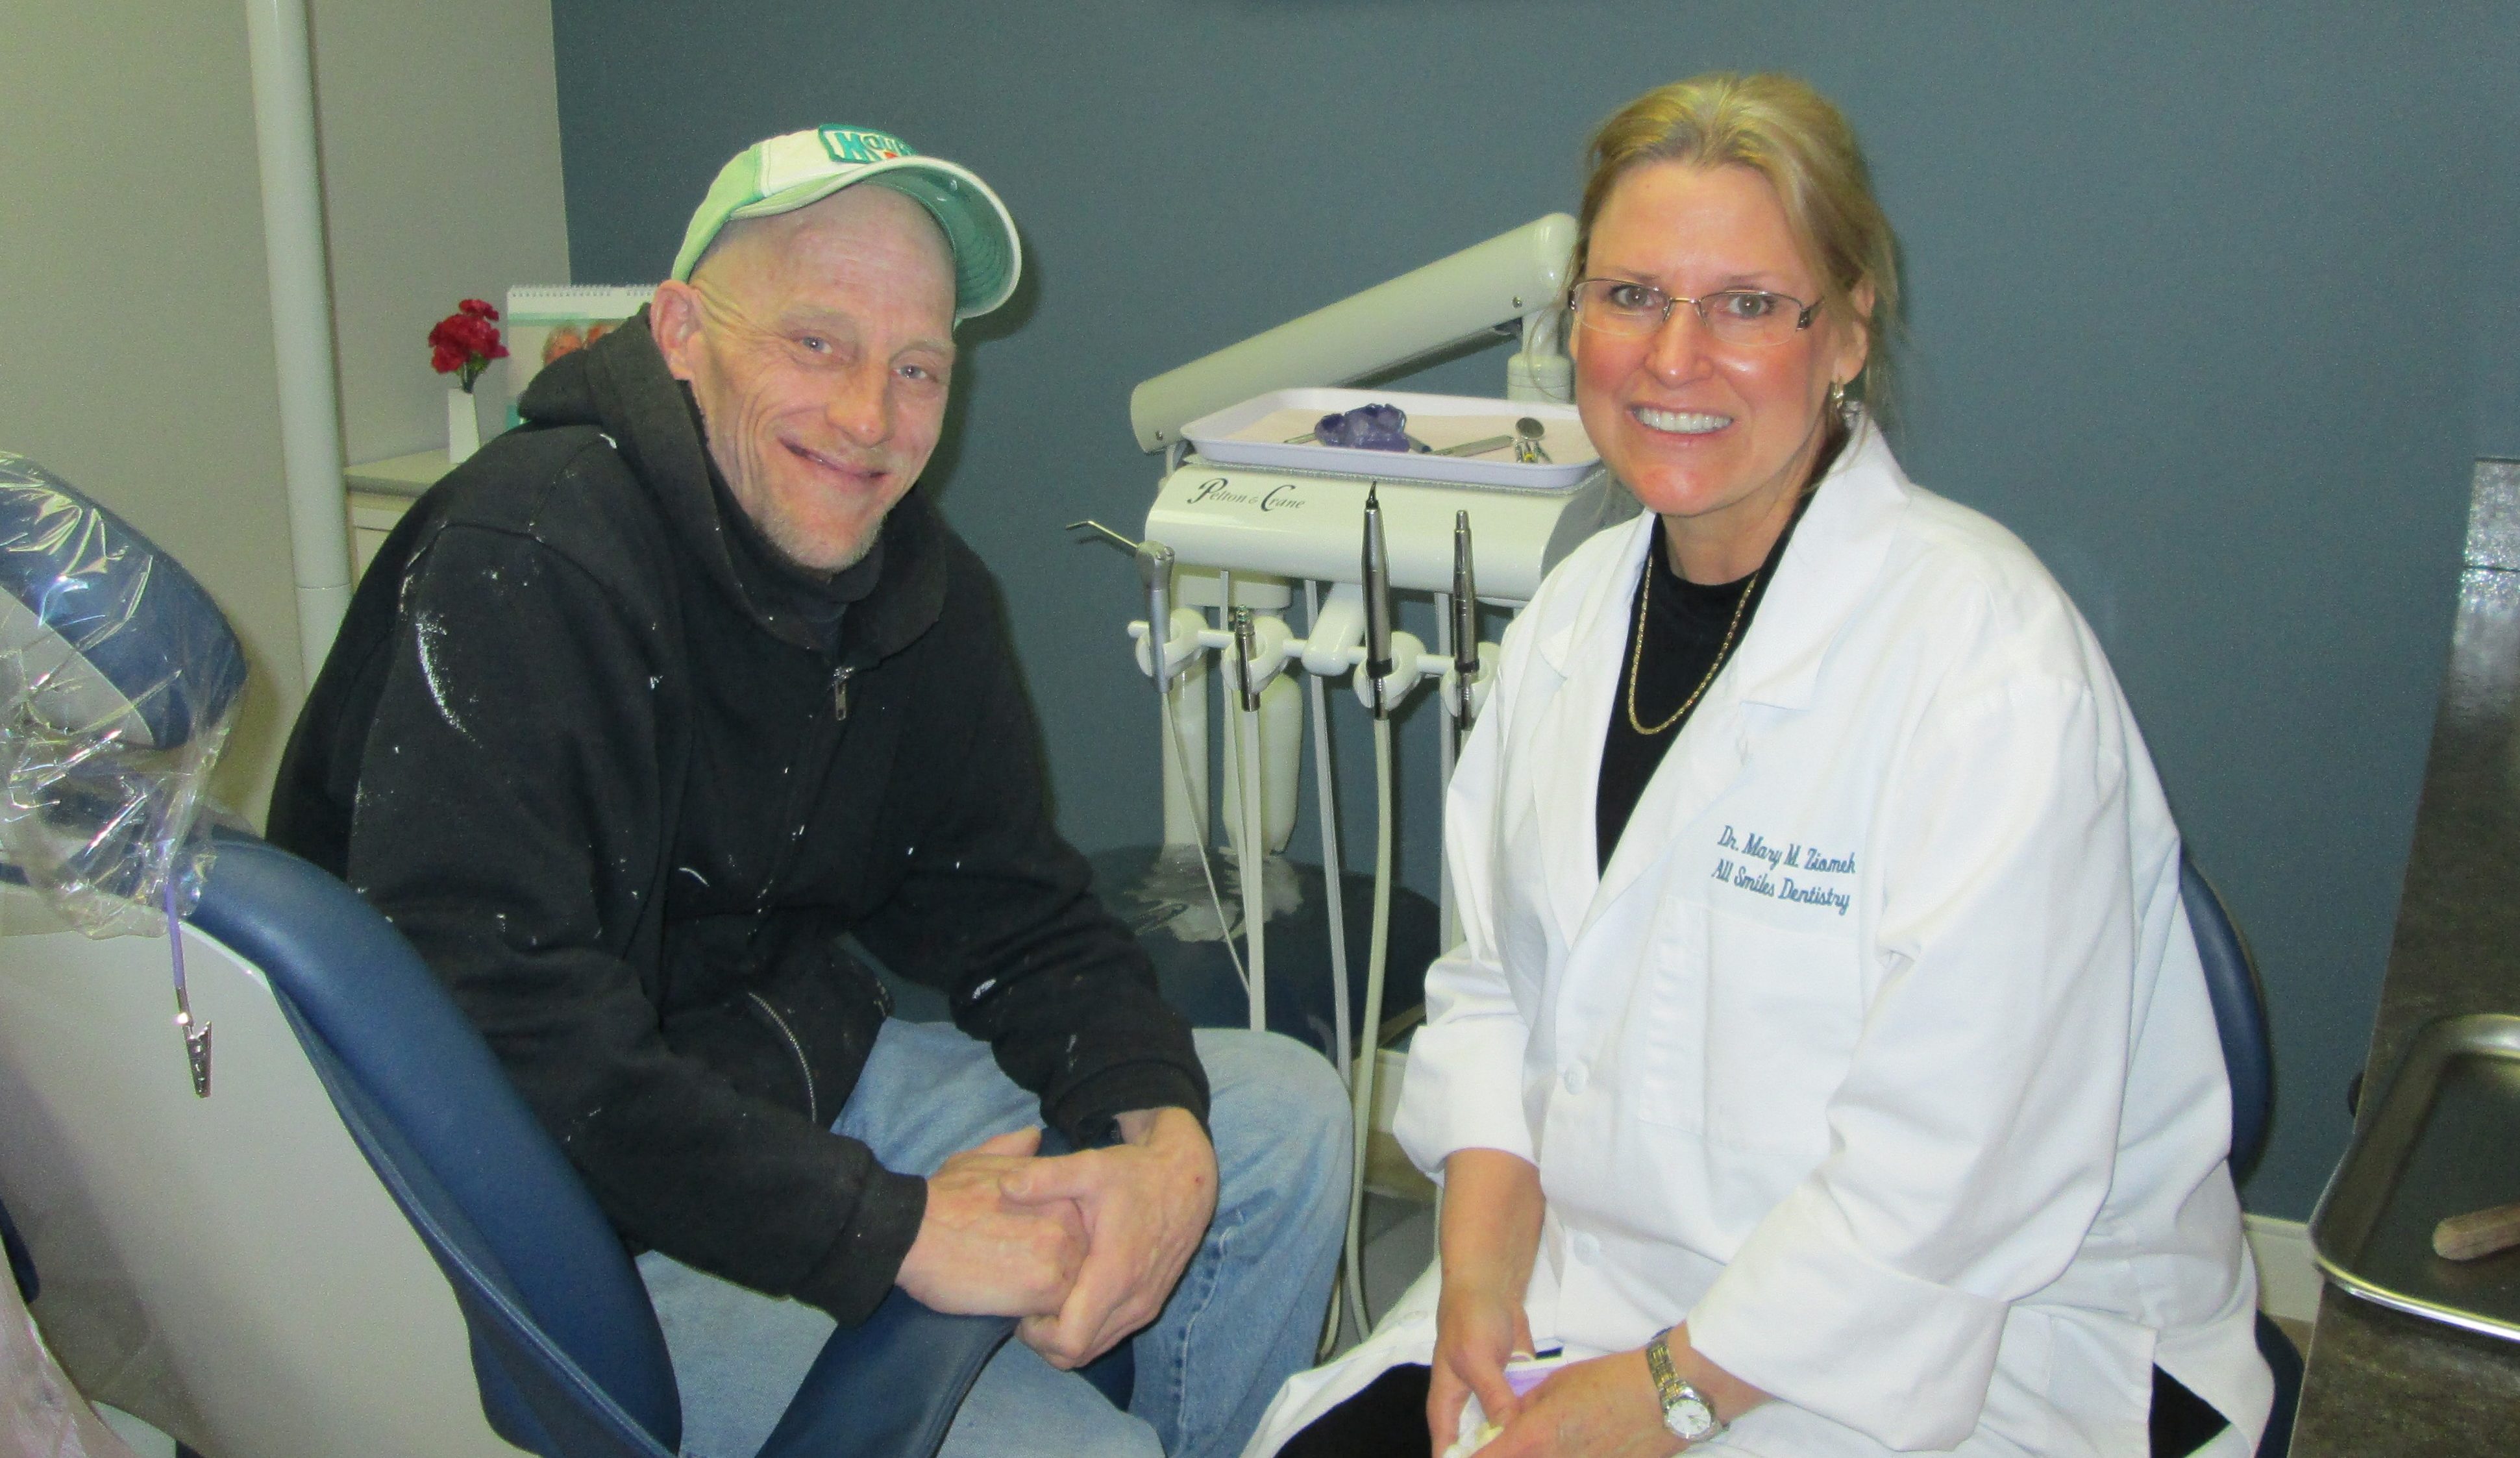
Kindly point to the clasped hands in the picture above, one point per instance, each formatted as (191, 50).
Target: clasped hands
(1083, 1247)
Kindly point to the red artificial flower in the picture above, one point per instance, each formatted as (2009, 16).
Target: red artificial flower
(464, 342)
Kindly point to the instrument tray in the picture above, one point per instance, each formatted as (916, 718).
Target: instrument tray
(1257, 431)
(2444, 1139)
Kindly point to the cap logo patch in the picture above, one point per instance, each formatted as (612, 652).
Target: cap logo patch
(849, 144)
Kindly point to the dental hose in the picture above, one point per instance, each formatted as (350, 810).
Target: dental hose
(1370, 1034)
(1332, 866)
(1255, 856)
(1333, 870)
(1199, 843)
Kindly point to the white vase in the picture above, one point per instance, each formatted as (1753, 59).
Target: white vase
(462, 426)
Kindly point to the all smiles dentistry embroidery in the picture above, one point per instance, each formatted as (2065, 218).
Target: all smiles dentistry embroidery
(1759, 866)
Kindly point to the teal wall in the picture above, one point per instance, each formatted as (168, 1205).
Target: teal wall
(2213, 304)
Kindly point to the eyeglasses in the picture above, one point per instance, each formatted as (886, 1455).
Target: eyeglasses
(1736, 316)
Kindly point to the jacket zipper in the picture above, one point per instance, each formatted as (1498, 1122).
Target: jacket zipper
(813, 770)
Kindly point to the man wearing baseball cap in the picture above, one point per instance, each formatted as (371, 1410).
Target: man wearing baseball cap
(661, 718)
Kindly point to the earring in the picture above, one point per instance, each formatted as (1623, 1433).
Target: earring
(1837, 395)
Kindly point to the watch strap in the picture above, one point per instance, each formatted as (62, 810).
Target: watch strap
(1685, 1410)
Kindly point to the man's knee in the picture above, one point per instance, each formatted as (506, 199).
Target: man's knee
(1274, 1091)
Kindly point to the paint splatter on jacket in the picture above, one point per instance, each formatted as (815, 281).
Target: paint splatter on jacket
(626, 785)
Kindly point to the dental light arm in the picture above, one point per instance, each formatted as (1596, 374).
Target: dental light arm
(1510, 277)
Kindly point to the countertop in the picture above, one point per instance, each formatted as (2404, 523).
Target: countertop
(2381, 1382)
(399, 476)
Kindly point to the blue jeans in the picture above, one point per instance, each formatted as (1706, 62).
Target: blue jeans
(1243, 1318)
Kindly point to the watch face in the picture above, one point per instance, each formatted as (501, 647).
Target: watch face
(1689, 1419)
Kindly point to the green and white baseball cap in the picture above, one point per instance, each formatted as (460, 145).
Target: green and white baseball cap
(789, 172)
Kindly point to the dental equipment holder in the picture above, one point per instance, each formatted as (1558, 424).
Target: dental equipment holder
(1246, 532)
(1355, 632)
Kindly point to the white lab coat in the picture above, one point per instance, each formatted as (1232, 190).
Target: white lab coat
(1881, 1051)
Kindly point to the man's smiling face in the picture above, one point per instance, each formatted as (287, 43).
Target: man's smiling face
(819, 344)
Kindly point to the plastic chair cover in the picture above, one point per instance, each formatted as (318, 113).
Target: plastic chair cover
(118, 682)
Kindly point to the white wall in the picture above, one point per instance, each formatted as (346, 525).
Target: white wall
(135, 334)
(441, 135)
(135, 324)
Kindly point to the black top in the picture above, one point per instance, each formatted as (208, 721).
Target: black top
(626, 781)
(1685, 630)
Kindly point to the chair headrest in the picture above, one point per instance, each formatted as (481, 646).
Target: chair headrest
(104, 632)
(119, 678)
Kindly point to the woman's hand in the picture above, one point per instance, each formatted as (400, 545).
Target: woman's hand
(1478, 1329)
(1490, 1237)
(1604, 1408)
(1609, 1406)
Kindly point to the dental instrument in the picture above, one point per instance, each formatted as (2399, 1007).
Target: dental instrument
(1376, 569)
(1167, 661)
(1465, 624)
(1527, 447)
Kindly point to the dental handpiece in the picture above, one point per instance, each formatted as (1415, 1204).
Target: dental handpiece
(1466, 615)
(1247, 649)
(1156, 571)
(1377, 602)
(1155, 574)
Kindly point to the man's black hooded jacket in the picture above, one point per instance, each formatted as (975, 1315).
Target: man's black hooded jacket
(603, 758)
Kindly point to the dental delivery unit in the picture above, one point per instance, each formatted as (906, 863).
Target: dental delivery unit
(1275, 477)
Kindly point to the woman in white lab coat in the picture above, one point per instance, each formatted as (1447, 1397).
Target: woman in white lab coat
(1827, 1065)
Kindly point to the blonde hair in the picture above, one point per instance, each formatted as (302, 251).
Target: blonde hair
(1778, 126)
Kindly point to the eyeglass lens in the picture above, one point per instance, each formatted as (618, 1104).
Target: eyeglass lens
(1741, 316)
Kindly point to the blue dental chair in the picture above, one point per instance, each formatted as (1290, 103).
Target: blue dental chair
(153, 1214)
(568, 1355)
(2248, 1056)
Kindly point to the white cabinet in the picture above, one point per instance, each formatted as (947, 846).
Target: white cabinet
(380, 491)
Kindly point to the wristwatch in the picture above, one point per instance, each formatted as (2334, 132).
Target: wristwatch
(1685, 1409)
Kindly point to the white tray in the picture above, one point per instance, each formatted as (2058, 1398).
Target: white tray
(1255, 433)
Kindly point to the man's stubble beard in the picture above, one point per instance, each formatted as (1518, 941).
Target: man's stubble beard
(781, 535)
(784, 537)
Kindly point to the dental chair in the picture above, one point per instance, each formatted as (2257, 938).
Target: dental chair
(2248, 1057)
(568, 1352)
(341, 1230)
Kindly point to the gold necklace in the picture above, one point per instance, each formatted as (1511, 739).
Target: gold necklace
(1637, 657)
